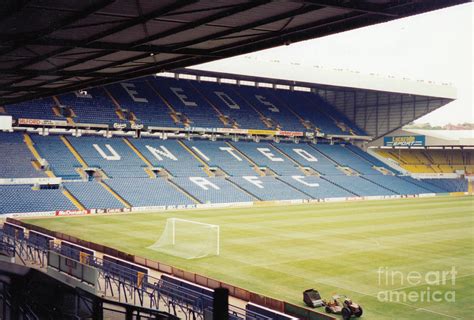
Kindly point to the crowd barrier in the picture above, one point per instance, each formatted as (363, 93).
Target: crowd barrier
(235, 291)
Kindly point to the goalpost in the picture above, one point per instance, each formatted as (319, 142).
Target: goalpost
(188, 239)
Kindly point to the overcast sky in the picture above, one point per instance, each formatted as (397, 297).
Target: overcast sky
(435, 46)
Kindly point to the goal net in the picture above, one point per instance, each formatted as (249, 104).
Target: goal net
(188, 239)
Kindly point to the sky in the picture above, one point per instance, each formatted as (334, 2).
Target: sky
(435, 46)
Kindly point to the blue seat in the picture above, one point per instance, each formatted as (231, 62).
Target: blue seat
(15, 158)
(140, 192)
(265, 155)
(227, 99)
(185, 99)
(95, 107)
(139, 97)
(221, 155)
(344, 157)
(61, 161)
(268, 188)
(307, 156)
(41, 109)
(212, 190)
(92, 195)
(170, 155)
(117, 160)
(22, 198)
(447, 185)
(316, 187)
(264, 100)
(359, 186)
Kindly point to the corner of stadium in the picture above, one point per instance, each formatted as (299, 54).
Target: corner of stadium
(137, 184)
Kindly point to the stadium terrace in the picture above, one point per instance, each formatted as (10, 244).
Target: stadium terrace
(134, 186)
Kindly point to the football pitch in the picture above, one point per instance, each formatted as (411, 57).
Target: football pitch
(400, 259)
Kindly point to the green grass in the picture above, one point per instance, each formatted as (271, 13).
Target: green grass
(333, 247)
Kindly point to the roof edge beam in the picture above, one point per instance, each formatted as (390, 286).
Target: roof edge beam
(377, 10)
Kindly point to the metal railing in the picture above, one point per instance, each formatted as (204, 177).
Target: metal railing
(118, 282)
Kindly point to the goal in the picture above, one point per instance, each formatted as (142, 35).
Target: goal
(188, 239)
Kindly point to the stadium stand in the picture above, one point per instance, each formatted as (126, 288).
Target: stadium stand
(424, 184)
(359, 186)
(431, 160)
(345, 158)
(139, 192)
(190, 167)
(148, 171)
(212, 190)
(394, 183)
(307, 156)
(308, 107)
(141, 102)
(42, 200)
(113, 156)
(191, 106)
(93, 107)
(341, 120)
(92, 195)
(448, 185)
(15, 158)
(167, 102)
(60, 160)
(34, 109)
(371, 159)
(316, 187)
(266, 156)
(268, 188)
(263, 100)
(218, 154)
(236, 111)
(170, 155)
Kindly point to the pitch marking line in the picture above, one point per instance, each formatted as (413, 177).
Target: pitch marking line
(438, 313)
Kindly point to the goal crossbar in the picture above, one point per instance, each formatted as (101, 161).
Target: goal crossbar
(188, 239)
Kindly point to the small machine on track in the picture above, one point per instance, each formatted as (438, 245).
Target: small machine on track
(340, 304)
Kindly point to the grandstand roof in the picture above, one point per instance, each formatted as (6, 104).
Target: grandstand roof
(66, 46)
(377, 105)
